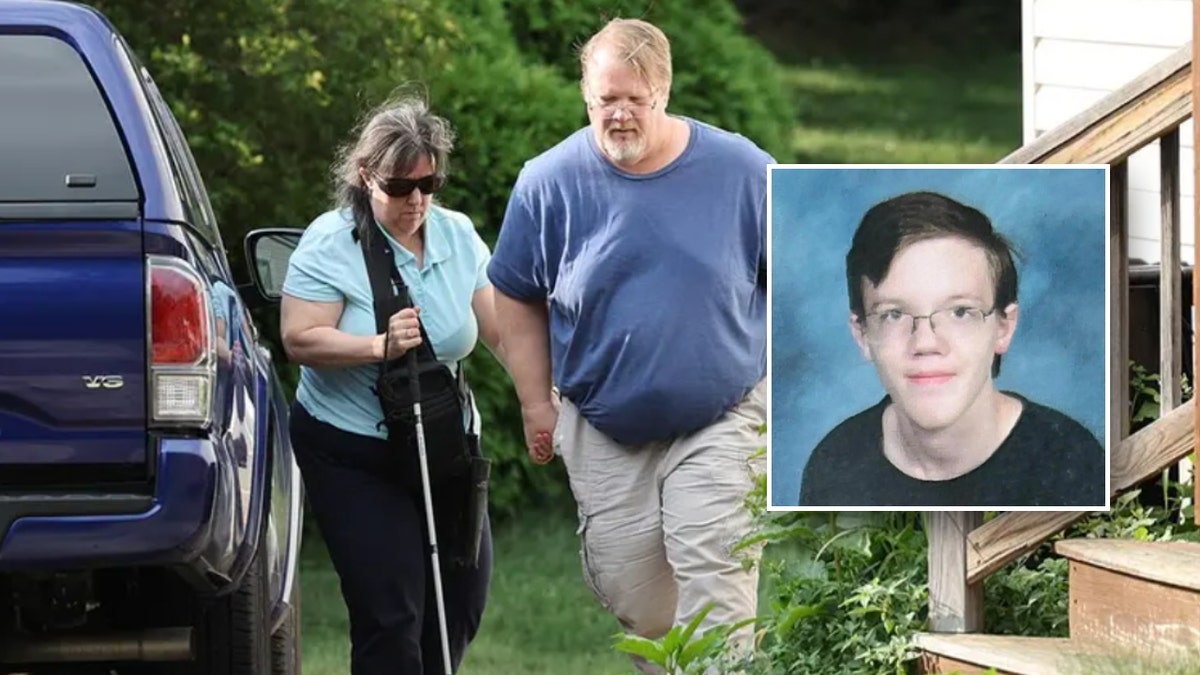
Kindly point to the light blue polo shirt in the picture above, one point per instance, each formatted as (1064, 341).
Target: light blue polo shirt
(328, 266)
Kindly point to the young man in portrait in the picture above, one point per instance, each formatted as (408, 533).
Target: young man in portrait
(933, 305)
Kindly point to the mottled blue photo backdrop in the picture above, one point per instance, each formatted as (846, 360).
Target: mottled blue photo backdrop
(1055, 218)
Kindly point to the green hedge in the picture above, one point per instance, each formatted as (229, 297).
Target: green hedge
(265, 91)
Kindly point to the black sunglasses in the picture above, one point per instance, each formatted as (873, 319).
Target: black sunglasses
(402, 187)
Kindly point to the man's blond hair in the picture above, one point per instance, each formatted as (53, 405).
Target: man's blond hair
(638, 43)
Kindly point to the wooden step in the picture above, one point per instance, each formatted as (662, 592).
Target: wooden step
(1009, 655)
(1136, 596)
(1174, 563)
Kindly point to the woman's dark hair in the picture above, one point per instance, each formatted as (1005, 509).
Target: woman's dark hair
(390, 141)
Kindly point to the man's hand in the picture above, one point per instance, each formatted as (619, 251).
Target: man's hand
(539, 420)
(524, 330)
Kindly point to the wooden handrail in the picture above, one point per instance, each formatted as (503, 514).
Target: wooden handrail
(1121, 123)
(1151, 106)
(1135, 459)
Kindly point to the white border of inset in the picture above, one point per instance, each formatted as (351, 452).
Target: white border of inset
(1108, 442)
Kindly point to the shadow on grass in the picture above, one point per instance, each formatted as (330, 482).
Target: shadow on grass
(916, 113)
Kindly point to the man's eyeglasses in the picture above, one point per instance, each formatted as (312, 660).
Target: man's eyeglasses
(402, 187)
(949, 323)
(636, 106)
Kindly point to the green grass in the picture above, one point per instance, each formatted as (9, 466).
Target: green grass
(953, 113)
(540, 617)
(325, 630)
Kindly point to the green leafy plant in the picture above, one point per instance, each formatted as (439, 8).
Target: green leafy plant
(1145, 404)
(683, 650)
(1027, 598)
(847, 591)
(1145, 395)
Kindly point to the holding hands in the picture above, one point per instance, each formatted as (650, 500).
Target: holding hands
(539, 421)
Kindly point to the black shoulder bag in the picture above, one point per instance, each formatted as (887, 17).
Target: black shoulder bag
(458, 473)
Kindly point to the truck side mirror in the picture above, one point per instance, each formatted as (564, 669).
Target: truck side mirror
(267, 254)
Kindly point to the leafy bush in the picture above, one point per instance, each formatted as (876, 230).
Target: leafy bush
(265, 91)
(847, 591)
(1145, 397)
(1027, 598)
(505, 108)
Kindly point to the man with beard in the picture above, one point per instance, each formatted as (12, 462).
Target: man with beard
(933, 304)
(629, 266)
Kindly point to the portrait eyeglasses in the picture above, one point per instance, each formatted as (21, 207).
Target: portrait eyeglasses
(402, 187)
(951, 322)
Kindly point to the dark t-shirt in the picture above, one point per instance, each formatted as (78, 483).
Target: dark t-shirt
(1048, 459)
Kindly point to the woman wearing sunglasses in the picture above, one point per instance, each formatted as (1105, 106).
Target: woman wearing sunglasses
(372, 520)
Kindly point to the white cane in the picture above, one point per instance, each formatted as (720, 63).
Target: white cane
(415, 386)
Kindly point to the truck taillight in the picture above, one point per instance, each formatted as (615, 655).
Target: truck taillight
(181, 344)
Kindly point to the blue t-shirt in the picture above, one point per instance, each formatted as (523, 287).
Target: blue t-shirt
(657, 322)
(328, 266)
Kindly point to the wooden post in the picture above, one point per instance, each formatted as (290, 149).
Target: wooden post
(1118, 327)
(1196, 223)
(955, 606)
(1170, 364)
(1170, 288)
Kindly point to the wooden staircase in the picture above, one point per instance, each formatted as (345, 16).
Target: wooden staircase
(1129, 600)
(1132, 603)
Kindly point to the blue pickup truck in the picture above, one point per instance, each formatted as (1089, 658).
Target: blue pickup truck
(150, 506)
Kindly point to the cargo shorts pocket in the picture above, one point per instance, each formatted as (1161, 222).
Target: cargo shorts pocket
(591, 575)
(568, 441)
(556, 440)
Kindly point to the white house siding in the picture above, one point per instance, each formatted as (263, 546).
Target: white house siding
(1076, 52)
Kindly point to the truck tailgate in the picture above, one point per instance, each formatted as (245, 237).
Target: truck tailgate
(72, 353)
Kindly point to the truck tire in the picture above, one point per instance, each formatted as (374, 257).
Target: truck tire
(286, 642)
(235, 632)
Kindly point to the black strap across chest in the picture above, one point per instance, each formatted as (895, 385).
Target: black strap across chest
(390, 295)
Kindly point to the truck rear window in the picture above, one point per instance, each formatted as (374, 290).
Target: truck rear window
(58, 140)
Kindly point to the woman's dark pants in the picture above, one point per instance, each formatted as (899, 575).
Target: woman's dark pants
(376, 533)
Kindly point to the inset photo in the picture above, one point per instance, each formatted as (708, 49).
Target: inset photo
(938, 338)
